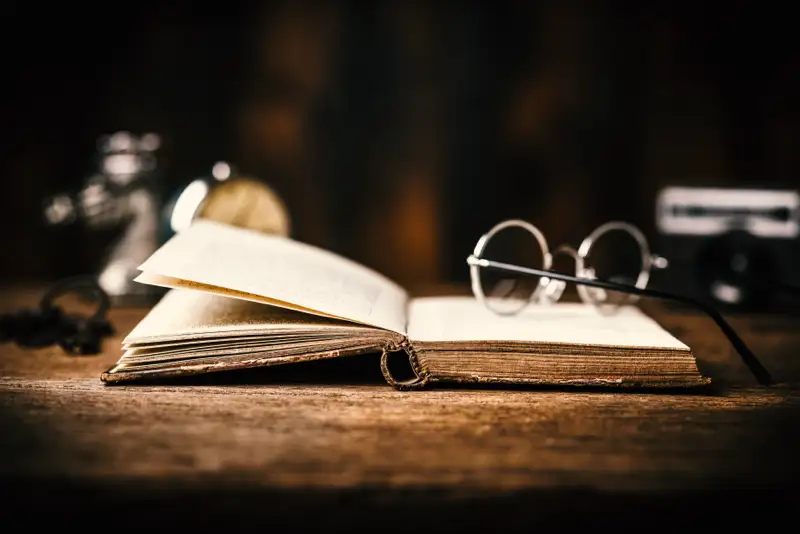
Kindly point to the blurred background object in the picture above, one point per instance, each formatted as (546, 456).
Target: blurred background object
(227, 197)
(396, 133)
(123, 192)
(733, 248)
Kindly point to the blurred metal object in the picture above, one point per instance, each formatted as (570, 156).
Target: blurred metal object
(735, 248)
(228, 197)
(123, 191)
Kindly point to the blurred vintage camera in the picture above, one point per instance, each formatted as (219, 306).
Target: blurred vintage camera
(736, 249)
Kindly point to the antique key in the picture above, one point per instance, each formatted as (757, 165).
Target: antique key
(49, 325)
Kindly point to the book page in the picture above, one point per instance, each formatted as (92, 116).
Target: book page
(216, 257)
(177, 283)
(184, 314)
(465, 320)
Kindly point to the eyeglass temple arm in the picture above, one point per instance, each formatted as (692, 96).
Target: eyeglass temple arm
(759, 371)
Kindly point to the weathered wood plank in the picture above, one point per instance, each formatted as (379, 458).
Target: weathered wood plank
(323, 436)
(775, 340)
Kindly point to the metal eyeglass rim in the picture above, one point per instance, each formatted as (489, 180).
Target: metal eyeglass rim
(753, 364)
(546, 275)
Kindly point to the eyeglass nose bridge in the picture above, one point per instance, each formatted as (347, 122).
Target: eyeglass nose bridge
(549, 290)
(552, 290)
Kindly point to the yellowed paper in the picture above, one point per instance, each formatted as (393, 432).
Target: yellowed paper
(249, 265)
(186, 314)
(464, 319)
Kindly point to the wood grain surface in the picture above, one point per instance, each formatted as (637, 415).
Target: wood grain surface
(329, 445)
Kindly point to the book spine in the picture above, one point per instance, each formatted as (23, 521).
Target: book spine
(421, 375)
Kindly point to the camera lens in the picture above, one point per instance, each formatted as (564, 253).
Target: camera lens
(736, 269)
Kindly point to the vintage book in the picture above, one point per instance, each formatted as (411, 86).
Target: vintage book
(241, 299)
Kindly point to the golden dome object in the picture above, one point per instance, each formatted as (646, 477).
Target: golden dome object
(246, 203)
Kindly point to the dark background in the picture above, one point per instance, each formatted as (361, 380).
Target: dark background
(398, 132)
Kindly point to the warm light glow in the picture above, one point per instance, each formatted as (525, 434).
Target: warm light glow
(187, 204)
(221, 171)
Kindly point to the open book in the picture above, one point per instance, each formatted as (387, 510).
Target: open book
(244, 299)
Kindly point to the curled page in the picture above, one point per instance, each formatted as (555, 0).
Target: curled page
(245, 264)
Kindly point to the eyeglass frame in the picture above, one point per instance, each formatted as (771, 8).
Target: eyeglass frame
(547, 275)
(548, 291)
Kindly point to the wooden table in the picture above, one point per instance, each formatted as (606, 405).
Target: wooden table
(329, 445)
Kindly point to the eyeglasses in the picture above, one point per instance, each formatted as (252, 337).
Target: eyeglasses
(550, 284)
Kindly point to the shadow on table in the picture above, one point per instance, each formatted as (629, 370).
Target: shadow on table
(124, 505)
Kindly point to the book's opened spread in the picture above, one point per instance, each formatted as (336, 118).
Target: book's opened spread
(242, 299)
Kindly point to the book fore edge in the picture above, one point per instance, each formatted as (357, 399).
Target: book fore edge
(421, 375)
